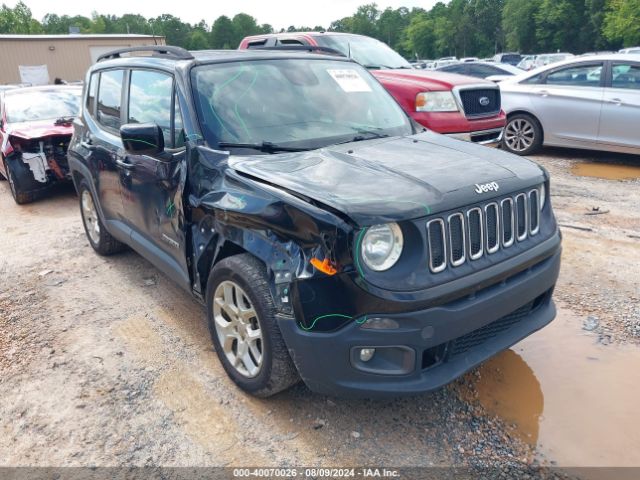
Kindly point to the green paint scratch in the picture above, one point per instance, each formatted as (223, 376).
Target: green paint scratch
(170, 208)
(141, 141)
(338, 315)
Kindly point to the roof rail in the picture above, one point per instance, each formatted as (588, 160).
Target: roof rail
(158, 50)
(303, 48)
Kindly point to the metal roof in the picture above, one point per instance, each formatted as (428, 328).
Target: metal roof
(77, 36)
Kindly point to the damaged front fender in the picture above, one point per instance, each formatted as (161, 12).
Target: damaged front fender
(235, 213)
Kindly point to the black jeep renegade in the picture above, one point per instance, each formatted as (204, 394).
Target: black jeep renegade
(331, 238)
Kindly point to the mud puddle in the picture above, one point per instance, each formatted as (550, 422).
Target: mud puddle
(607, 171)
(572, 398)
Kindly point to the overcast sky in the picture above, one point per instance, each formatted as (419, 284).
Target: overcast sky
(278, 13)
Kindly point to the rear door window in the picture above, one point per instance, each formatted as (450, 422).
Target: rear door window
(625, 75)
(576, 76)
(110, 99)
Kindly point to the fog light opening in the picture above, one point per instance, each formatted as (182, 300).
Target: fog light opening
(367, 354)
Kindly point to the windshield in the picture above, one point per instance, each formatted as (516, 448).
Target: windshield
(307, 103)
(42, 105)
(366, 51)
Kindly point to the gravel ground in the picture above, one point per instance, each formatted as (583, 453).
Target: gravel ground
(599, 278)
(105, 362)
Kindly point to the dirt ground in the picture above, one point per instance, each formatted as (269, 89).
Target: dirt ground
(103, 361)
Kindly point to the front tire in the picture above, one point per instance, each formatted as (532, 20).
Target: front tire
(23, 186)
(244, 329)
(522, 134)
(101, 240)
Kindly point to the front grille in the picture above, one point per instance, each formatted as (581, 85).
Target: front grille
(469, 234)
(534, 211)
(457, 239)
(480, 102)
(521, 217)
(472, 339)
(507, 222)
(493, 227)
(437, 245)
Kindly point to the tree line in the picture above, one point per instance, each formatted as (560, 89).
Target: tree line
(459, 27)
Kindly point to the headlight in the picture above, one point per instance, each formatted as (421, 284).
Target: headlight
(543, 196)
(436, 102)
(382, 246)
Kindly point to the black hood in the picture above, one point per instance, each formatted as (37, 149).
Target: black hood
(394, 179)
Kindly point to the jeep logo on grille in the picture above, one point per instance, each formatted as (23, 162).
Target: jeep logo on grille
(487, 187)
(484, 101)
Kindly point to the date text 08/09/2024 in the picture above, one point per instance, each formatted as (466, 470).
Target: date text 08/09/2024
(365, 472)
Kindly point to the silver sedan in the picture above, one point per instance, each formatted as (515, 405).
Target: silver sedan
(586, 102)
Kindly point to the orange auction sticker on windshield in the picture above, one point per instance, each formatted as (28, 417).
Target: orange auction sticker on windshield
(349, 80)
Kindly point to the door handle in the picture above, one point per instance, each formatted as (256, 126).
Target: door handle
(615, 101)
(122, 163)
(543, 93)
(88, 145)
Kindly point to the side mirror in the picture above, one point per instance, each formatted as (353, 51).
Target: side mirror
(142, 138)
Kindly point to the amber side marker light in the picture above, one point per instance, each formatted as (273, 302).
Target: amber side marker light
(324, 266)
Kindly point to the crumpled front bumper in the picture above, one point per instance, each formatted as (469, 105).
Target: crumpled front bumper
(430, 347)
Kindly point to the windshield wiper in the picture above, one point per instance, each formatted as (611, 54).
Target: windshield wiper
(378, 67)
(64, 121)
(364, 134)
(267, 147)
(386, 67)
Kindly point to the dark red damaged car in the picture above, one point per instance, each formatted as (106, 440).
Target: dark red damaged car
(36, 125)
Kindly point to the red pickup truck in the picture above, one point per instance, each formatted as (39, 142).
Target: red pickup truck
(460, 106)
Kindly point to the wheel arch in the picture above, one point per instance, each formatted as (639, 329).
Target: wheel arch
(522, 111)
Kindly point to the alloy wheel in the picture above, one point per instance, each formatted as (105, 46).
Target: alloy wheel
(238, 329)
(519, 135)
(90, 217)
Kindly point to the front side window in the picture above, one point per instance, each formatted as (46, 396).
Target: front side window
(576, 76)
(178, 125)
(24, 106)
(150, 96)
(306, 104)
(109, 98)
(626, 76)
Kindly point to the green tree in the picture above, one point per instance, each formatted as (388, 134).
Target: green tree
(391, 25)
(419, 37)
(172, 28)
(222, 34)
(622, 22)
(55, 25)
(244, 25)
(518, 25)
(560, 26)
(486, 17)
(18, 20)
(198, 40)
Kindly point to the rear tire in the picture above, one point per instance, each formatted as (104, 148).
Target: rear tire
(99, 239)
(244, 329)
(522, 134)
(24, 188)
